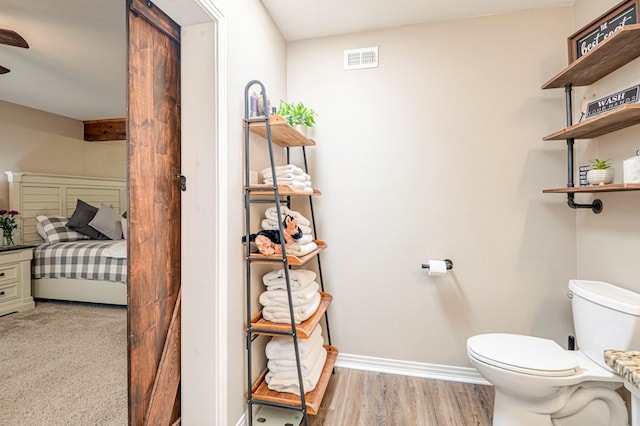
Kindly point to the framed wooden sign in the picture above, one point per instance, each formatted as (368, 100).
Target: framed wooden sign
(580, 43)
(612, 101)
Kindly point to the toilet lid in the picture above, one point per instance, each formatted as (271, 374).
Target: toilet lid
(523, 354)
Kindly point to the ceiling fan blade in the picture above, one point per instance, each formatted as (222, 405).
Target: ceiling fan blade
(12, 38)
(4, 70)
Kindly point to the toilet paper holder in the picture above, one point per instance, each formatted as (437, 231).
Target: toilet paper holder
(448, 262)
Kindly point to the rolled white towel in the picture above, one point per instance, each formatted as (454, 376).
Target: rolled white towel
(281, 314)
(297, 249)
(269, 224)
(287, 382)
(271, 213)
(280, 297)
(298, 278)
(306, 238)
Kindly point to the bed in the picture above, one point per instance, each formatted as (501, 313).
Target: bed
(48, 195)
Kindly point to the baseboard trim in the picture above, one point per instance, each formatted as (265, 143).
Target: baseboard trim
(410, 368)
(404, 368)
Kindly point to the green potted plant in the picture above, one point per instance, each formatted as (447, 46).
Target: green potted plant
(297, 115)
(601, 172)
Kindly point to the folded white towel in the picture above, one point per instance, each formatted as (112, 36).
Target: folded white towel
(287, 382)
(271, 213)
(288, 168)
(280, 297)
(281, 347)
(290, 370)
(286, 365)
(286, 177)
(297, 189)
(296, 249)
(299, 278)
(295, 185)
(281, 314)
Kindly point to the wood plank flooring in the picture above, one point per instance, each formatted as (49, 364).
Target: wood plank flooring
(364, 398)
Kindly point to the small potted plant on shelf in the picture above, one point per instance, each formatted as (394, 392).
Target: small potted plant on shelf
(601, 172)
(297, 115)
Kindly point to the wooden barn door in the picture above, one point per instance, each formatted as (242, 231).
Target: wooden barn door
(153, 127)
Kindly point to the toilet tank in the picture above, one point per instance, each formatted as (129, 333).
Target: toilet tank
(605, 317)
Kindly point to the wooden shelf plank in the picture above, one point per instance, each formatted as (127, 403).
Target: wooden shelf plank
(303, 330)
(607, 122)
(615, 51)
(283, 190)
(613, 187)
(313, 399)
(281, 133)
(292, 260)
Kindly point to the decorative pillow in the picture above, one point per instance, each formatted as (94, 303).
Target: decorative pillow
(107, 222)
(40, 231)
(125, 227)
(55, 229)
(80, 219)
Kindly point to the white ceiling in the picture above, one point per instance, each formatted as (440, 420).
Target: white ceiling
(76, 65)
(301, 19)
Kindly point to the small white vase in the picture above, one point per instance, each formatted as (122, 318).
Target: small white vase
(600, 177)
(301, 128)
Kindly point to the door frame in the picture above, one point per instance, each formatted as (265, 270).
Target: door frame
(204, 368)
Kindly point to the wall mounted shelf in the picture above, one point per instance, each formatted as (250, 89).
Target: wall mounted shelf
(620, 48)
(614, 52)
(614, 187)
(607, 122)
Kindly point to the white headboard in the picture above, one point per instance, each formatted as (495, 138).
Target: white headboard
(34, 194)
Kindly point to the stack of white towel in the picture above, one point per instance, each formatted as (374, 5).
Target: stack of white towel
(299, 247)
(305, 297)
(283, 373)
(290, 175)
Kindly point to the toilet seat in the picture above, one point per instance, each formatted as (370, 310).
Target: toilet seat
(523, 354)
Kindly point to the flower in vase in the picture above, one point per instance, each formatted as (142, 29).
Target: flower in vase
(8, 224)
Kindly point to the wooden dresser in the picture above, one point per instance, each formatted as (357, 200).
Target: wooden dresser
(15, 279)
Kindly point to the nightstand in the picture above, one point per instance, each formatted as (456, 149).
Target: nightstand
(15, 279)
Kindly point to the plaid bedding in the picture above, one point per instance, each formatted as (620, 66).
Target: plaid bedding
(78, 259)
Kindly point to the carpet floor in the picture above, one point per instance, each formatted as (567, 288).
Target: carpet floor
(64, 363)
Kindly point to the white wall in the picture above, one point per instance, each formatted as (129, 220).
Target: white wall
(256, 50)
(439, 153)
(250, 47)
(38, 141)
(608, 244)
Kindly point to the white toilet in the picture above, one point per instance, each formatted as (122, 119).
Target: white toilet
(538, 383)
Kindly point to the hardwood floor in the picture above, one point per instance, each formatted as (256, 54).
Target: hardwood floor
(363, 398)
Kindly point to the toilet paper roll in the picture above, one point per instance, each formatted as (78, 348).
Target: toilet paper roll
(437, 268)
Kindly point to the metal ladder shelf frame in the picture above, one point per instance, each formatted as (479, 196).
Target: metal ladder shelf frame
(253, 332)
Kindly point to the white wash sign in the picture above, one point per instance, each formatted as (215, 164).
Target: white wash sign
(606, 29)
